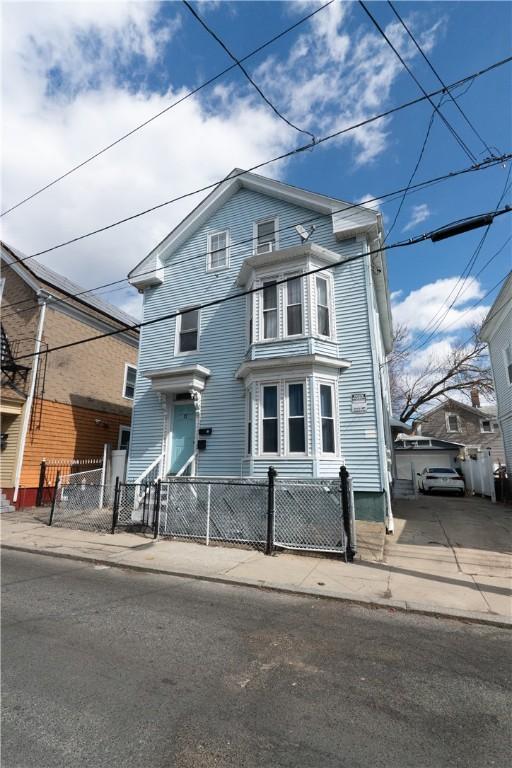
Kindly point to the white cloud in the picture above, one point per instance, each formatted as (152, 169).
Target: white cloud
(370, 202)
(419, 213)
(419, 307)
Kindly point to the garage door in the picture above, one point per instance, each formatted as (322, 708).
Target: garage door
(422, 459)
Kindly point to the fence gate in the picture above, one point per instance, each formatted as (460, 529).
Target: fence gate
(50, 468)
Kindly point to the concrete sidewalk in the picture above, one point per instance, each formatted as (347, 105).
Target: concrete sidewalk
(410, 581)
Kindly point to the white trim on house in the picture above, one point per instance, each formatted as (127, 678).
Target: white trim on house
(289, 365)
(495, 316)
(171, 380)
(275, 244)
(210, 251)
(125, 380)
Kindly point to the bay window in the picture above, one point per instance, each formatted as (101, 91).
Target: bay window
(270, 419)
(322, 306)
(270, 310)
(327, 416)
(296, 422)
(294, 306)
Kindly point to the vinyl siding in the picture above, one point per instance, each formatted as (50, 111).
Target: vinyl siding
(224, 345)
(500, 339)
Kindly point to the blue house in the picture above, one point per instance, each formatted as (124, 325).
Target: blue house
(290, 370)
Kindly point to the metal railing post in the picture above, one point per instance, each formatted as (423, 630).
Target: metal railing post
(345, 512)
(115, 508)
(156, 510)
(271, 510)
(208, 502)
(54, 499)
(42, 476)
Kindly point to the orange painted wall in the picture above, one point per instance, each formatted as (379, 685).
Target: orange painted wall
(66, 432)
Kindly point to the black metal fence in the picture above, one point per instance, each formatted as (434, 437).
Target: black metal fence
(268, 513)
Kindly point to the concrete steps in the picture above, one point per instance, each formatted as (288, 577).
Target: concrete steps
(403, 489)
(5, 504)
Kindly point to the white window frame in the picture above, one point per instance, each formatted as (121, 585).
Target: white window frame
(287, 335)
(277, 310)
(334, 402)
(209, 267)
(249, 420)
(177, 352)
(508, 379)
(327, 276)
(122, 428)
(126, 366)
(447, 420)
(275, 219)
(277, 385)
(486, 431)
(287, 417)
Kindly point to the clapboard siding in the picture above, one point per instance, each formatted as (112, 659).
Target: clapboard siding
(224, 345)
(497, 344)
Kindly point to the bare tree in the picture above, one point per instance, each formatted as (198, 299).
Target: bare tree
(463, 368)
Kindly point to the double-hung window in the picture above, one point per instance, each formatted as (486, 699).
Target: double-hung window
(218, 250)
(130, 374)
(296, 423)
(322, 307)
(327, 415)
(270, 419)
(508, 362)
(294, 306)
(265, 236)
(249, 423)
(188, 334)
(452, 422)
(270, 310)
(485, 425)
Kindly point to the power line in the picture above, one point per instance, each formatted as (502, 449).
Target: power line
(462, 279)
(250, 291)
(297, 150)
(452, 130)
(166, 109)
(244, 71)
(440, 80)
(391, 195)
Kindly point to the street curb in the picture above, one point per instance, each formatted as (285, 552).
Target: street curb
(472, 617)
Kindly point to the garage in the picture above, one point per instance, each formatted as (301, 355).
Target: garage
(413, 454)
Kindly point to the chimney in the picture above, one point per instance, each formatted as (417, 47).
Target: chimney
(475, 398)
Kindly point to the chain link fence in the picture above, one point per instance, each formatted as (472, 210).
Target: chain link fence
(309, 515)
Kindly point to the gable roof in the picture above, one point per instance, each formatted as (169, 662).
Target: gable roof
(34, 269)
(361, 218)
(483, 412)
(495, 316)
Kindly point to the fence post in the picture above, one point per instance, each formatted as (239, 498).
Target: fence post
(345, 511)
(271, 510)
(115, 508)
(208, 502)
(42, 475)
(156, 510)
(54, 499)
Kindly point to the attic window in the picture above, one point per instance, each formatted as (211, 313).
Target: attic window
(485, 425)
(452, 422)
(265, 236)
(218, 250)
(508, 362)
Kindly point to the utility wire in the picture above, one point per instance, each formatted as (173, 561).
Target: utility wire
(244, 71)
(250, 291)
(452, 130)
(290, 153)
(391, 195)
(166, 109)
(439, 78)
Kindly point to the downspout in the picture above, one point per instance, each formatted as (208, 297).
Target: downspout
(377, 384)
(29, 401)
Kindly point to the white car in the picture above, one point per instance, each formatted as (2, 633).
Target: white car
(441, 479)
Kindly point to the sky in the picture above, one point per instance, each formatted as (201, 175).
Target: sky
(76, 76)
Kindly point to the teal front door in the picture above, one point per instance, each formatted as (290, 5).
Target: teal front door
(183, 435)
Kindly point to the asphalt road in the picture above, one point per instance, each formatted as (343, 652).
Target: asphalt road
(103, 667)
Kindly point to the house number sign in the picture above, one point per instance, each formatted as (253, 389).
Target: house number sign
(359, 402)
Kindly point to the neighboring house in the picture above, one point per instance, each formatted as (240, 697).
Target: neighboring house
(414, 453)
(291, 375)
(69, 403)
(497, 332)
(474, 426)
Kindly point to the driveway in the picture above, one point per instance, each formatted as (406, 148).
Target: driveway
(452, 542)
